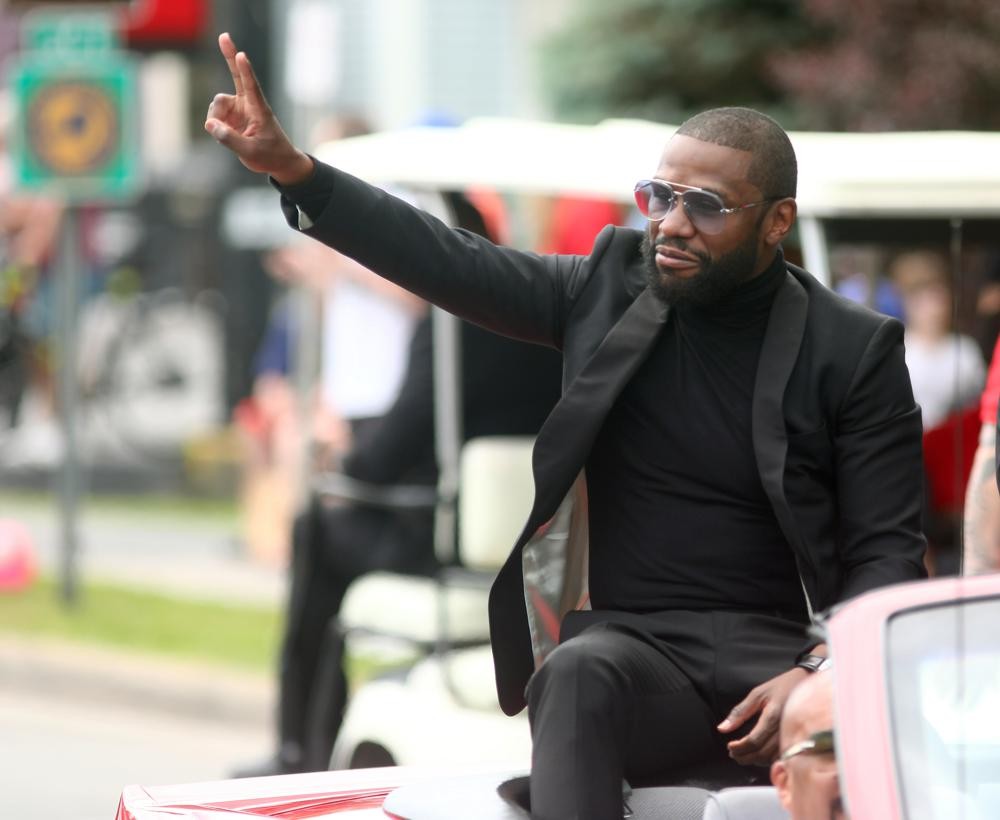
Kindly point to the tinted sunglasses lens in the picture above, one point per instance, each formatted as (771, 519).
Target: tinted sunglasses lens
(705, 211)
(824, 742)
(641, 194)
(654, 199)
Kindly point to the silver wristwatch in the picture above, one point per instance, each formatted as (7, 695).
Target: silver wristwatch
(814, 663)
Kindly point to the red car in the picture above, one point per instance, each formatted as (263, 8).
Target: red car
(917, 691)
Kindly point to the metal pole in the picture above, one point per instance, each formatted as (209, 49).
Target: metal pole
(447, 336)
(68, 274)
(815, 252)
(306, 318)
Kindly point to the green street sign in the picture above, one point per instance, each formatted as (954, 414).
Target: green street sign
(75, 103)
(70, 34)
(75, 132)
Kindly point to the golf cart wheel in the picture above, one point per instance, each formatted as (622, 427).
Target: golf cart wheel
(369, 755)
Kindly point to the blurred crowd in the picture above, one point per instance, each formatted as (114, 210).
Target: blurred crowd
(951, 314)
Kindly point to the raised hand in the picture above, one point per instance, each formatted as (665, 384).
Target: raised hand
(246, 125)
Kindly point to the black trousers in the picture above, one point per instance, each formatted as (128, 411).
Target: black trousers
(331, 547)
(638, 697)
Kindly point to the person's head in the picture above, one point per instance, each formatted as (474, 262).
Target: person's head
(805, 774)
(338, 127)
(725, 158)
(923, 282)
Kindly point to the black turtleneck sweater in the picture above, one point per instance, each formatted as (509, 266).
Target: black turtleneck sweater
(678, 515)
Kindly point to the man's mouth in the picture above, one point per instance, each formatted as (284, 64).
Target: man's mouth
(675, 260)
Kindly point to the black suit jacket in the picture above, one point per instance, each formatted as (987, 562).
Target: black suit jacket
(837, 435)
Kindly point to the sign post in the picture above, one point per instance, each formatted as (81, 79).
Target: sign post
(76, 141)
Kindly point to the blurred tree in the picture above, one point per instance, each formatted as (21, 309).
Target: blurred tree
(666, 59)
(896, 64)
(813, 64)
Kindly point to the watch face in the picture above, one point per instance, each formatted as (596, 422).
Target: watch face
(815, 663)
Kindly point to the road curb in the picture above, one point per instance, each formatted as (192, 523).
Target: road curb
(102, 675)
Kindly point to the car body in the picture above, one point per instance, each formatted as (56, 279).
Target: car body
(917, 693)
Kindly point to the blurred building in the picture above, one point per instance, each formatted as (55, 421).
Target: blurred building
(394, 62)
(398, 60)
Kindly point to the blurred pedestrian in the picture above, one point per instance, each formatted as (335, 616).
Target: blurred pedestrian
(946, 368)
(508, 388)
(947, 372)
(365, 327)
(29, 230)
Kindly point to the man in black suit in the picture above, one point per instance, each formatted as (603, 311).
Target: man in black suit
(747, 441)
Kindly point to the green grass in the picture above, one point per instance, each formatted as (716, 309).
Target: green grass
(238, 636)
(176, 506)
(234, 635)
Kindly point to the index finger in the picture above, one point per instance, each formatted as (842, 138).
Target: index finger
(250, 84)
(741, 712)
(228, 49)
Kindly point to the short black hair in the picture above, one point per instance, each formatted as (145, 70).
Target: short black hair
(773, 169)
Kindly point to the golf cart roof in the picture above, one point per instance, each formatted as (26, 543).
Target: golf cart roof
(942, 173)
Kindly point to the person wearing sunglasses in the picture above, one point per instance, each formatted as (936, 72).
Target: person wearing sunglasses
(736, 449)
(805, 773)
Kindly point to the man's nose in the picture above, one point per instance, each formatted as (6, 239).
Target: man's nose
(676, 223)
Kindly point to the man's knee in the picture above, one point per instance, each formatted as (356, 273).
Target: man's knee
(581, 669)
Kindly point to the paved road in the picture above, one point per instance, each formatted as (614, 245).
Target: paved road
(77, 723)
(67, 759)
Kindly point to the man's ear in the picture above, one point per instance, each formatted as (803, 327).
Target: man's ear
(779, 779)
(779, 221)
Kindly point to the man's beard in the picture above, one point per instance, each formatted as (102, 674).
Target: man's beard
(716, 279)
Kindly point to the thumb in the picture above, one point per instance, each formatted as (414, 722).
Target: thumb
(218, 130)
(739, 714)
(224, 135)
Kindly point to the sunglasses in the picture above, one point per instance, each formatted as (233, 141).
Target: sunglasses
(817, 743)
(705, 209)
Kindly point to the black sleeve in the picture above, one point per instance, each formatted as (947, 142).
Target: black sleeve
(515, 293)
(309, 196)
(879, 465)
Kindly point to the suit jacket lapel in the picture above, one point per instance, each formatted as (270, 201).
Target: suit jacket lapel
(567, 435)
(778, 355)
(560, 452)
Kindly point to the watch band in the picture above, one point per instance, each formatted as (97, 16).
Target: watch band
(814, 663)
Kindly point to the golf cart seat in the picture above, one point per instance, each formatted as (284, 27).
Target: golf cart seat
(443, 709)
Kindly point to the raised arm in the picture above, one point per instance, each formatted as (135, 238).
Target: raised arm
(513, 293)
(245, 124)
